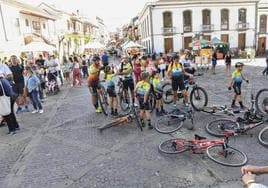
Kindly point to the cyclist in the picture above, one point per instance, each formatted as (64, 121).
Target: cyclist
(126, 70)
(109, 74)
(142, 90)
(93, 81)
(236, 83)
(158, 93)
(176, 73)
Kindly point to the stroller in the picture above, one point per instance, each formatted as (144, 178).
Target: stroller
(53, 85)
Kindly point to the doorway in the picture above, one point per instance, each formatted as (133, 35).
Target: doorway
(168, 45)
(242, 41)
(261, 46)
(187, 42)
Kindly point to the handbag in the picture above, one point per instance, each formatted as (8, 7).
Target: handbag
(5, 107)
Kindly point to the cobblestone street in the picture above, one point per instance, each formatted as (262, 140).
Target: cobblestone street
(63, 149)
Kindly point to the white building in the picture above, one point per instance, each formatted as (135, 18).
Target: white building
(262, 27)
(22, 23)
(170, 25)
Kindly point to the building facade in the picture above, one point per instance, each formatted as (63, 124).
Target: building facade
(171, 25)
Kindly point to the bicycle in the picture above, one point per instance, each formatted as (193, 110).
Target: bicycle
(174, 120)
(124, 98)
(261, 100)
(124, 119)
(218, 110)
(217, 150)
(198, 95)
(103, 98)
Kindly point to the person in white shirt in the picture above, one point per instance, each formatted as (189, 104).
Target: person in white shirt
(249, 175)
(51, 66)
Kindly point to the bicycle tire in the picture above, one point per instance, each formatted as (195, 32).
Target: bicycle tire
(168, 123)
(263, 136)
(123, 105)
(152, 102)
(258, 100)
(224, 154)
(103, 103)
(137, 118)
(214, 128)
(172, 149)
(167, 93)
(197, 90)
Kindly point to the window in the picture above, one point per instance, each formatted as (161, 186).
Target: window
(242, 15)
(17, 22)
(224, 19)
(26, 22)
(263, 23)
(206, 17)
(167, 17)
(44, 26)
(187, 21)
(36, 25)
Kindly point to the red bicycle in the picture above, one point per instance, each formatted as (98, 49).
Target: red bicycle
(217, 150)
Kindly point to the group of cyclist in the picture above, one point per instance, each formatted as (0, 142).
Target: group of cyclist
(149, 82)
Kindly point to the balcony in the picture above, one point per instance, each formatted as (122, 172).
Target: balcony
(224, 26)
(168, 30)
(242, 26)
(187, 28)
(207, 28)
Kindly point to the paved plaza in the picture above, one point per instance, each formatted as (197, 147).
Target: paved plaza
(63, 149)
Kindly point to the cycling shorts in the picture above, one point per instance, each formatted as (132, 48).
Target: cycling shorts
(93, 87)
(129, 83)
(178, 83)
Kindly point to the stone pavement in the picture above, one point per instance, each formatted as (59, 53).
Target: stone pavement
(63, 149)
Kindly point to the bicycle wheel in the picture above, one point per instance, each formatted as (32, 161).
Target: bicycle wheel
(261, 100)
(219, 126)
(103, 100)
(124, 102)
(263, 136)
(198, 98)
(167, 93)
(173, 146)
(227, 157)
(137, 118)
(152, 102)
(169, 123)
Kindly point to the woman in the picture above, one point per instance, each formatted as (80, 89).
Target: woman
(76, 72)
(10, 119)
(137, 67)
(228, 60)
(32, 85)
(66, 69)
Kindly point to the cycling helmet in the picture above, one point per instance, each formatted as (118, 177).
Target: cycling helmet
(239, 64)
(265, 105)
(144, 75)
(107, 69)
(96, 58)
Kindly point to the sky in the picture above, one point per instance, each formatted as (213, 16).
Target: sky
(115, 13)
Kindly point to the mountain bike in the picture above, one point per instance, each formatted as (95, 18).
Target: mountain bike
(133, 115)
(198, 95)
(124, 99)
(218, 110)
(103, 98)
(263, 137)
(174, 120)
(261, 101)
(217, 150)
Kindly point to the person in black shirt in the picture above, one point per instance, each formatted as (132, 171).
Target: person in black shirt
(228, 60)
(18, 85)
(265, 71)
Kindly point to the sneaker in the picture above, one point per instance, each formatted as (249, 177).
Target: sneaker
(19, 110)
(41, 111)
(150, 127)
(234, 106)
(175, 105)
(11, 132)
(35, 111)
(116, 113)
(99, 110)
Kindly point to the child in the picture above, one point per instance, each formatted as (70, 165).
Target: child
(237, 79)
(109, 74)
(158, 93)
(142, 91)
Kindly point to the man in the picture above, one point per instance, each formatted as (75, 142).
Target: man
(51, 66)
(176, 73)
(40, 62)
(105, 59)
(126, 70)
(18, 85)
(93, 81)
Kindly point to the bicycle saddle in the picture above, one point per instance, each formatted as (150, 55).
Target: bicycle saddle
(197, 137)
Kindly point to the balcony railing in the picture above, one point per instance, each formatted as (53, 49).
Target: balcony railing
(224, 26)
(263, 30)
(168, 30)
(242, 26)
(187, 28)
(207, 28)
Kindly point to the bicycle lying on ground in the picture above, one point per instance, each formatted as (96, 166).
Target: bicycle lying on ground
(198, 95)
(218, 110)
(217, 150)
(133, 115)
(174, 120)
